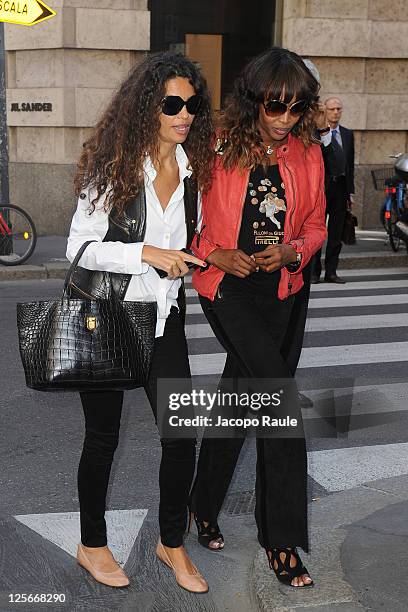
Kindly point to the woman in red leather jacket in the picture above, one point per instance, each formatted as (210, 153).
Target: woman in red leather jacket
(263, 219)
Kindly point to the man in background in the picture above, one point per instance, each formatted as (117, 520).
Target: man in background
(338, 143)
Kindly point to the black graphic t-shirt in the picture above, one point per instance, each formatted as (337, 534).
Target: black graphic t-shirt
(263, 218)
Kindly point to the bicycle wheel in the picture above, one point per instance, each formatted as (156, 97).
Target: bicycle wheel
(395, 240)
(18, 235)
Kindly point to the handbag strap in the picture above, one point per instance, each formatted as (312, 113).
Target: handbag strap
(72, 268)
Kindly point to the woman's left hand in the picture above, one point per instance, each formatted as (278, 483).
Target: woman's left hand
(275, 257)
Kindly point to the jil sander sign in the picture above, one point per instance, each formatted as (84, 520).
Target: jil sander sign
(42, 107)
(31, 106)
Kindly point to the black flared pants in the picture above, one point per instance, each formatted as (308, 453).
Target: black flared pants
(251, 327)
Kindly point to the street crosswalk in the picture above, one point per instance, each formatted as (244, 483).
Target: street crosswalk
(383, 291)
(354, 366)
(356, 342)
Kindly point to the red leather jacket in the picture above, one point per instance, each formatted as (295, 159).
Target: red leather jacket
(302, 172)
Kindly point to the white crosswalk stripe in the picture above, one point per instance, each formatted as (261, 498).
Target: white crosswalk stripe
(355, 322)
(382, 394)
(357, 272)
(386, 272)
(319, 357)
(363, 300)
(318, 324)
(339, 302)
(357, 286)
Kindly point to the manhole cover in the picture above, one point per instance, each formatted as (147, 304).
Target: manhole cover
(242, 502)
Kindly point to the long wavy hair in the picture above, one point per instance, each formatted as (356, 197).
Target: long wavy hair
(113, 157)
(265, 78)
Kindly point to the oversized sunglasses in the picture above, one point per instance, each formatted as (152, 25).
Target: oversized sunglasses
(276, 107)
(172, 105)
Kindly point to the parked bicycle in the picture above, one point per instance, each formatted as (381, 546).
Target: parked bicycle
(394, 210)
(18, 235)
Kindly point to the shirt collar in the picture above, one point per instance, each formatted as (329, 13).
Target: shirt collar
(182, 161)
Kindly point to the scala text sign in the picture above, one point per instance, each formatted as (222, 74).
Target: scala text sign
(25, 12)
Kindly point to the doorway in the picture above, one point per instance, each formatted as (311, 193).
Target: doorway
(226, 32)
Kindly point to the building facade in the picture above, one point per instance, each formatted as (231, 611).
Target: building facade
(62, 72)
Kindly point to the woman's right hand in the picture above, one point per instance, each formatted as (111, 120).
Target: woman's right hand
(169, 260)
(232, 261)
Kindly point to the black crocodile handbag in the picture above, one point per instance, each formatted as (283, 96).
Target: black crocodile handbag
(74, 344)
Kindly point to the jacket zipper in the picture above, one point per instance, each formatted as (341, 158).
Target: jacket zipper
(292, 211)
(242, 206)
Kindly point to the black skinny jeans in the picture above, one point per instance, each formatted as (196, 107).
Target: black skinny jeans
(102, 412)
(251, 327)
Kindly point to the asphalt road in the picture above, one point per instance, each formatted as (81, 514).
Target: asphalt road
(356, 344)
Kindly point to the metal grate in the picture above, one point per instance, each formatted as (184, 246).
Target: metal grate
(242, 502)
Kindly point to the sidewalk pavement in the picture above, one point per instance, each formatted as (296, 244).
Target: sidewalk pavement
(358, 554)
(48, 259)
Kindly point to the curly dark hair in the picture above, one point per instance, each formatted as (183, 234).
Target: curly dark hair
(265, 77)
(113, 157)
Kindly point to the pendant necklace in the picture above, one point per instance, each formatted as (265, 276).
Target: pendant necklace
(269, 149)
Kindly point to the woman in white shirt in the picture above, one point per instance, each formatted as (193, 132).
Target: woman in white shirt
(135, 158)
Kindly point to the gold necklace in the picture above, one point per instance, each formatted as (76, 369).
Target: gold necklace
(269, 149)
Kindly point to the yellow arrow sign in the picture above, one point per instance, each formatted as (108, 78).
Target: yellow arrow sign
(25, 12)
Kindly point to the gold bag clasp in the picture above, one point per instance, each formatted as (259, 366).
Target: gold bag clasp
(91, 323)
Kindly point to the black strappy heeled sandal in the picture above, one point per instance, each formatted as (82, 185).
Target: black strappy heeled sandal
(207, 533)
(283, 571)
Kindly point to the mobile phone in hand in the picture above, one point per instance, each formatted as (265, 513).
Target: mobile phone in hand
(190, 265)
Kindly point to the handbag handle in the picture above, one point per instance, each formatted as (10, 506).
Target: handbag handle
(73, 266)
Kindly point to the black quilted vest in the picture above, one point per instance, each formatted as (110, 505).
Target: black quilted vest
(130, 227)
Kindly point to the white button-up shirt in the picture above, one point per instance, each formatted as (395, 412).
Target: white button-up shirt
(165, 229)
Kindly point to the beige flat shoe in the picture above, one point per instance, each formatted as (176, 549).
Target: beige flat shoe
(116, 579)
(195, 583)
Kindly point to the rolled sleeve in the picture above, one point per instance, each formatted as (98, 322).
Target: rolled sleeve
(202, 247)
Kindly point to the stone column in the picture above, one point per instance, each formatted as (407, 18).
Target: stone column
(361, 50)
(70, 66)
